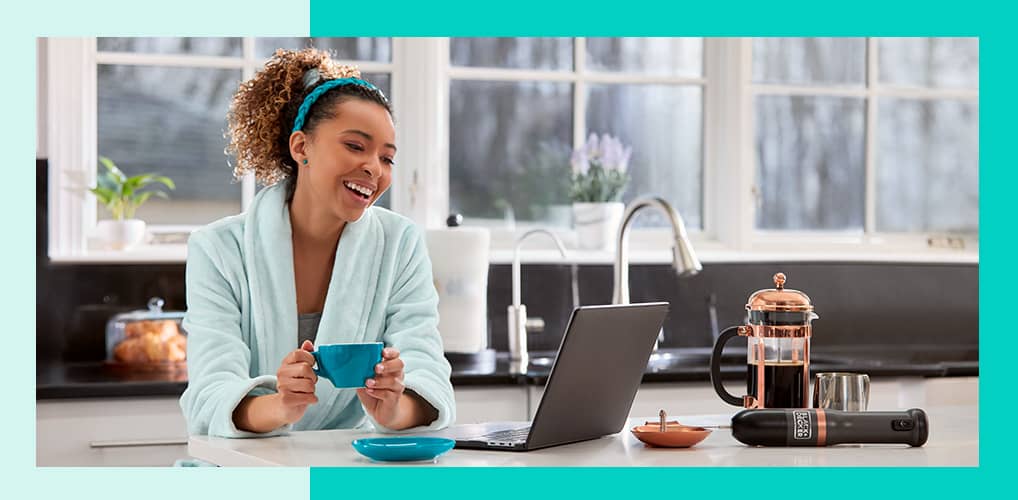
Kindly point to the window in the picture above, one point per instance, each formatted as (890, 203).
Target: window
(867, 135)
(762, 144)
(518, 106)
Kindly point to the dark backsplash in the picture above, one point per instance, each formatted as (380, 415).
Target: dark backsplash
(858, 303)
(864, 303)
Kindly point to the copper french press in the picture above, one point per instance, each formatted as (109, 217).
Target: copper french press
(777, 359)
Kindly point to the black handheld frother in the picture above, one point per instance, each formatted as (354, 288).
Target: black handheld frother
(819, 427)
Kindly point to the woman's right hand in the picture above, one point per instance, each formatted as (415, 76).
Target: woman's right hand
(295, 383)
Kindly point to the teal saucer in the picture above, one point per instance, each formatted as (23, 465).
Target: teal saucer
(403, 449)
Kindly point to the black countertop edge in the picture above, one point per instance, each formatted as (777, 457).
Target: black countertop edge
(108, 390)
(53, 386)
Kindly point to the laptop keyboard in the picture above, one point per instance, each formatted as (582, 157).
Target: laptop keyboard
(507, 436)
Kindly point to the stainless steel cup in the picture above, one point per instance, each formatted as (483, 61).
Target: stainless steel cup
(841, 391)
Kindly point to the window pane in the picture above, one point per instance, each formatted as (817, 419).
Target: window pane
(930, 62)
(810, 162)
(928, 166)
(520, 53)
(172, 45)
(171, 121)
(827, 61)
(662, 123)
(509, 146)
(655, 56)
(383, 81)
(354, 49)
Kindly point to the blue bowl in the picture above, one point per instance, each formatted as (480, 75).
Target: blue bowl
(402, 449)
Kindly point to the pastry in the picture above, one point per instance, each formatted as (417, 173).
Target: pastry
(151, 342)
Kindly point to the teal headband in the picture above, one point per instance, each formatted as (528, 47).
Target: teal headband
(298, 123)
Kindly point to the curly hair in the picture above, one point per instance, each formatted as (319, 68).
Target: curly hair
(264, 108)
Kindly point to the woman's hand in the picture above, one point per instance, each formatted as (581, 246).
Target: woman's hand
(295, 390)
(295, 383)
(385, 398)
(381, 395)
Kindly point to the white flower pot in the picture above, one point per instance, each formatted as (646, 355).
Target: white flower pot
(120, 234)
(597, 224)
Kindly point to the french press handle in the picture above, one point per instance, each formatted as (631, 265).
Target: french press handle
(715, 366)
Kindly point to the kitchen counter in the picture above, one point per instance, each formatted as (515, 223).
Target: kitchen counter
(95, 380)
(954, 441)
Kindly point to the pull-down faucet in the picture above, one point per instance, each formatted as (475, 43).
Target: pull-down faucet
(517, 313)
(684, 260)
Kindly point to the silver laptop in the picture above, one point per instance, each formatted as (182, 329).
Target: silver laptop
(592, 384)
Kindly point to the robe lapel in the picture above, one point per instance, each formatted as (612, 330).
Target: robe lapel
(268, 254)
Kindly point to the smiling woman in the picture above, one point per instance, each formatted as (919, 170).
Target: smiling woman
(312, 261)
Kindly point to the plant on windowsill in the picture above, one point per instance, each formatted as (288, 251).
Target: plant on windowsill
(122, 195)
(599, 179)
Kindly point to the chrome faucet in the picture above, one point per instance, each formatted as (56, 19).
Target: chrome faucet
(518, 324)
(684, 260)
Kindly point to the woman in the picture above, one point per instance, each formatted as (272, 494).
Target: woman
(311, 261)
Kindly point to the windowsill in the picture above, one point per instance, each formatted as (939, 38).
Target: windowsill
(142, 254)
(729, 256)
(177, 254)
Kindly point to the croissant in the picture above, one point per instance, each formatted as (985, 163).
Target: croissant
(151, 342)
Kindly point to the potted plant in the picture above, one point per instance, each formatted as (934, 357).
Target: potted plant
(599, 179)
(122, 195)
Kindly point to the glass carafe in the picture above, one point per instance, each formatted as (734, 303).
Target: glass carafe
(778, 342)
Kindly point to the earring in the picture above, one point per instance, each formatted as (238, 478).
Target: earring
(305, 162)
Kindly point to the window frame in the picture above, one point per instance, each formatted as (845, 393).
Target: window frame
(420, 188)
(869, 238)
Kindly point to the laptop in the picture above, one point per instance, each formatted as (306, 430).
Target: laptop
(591, 386)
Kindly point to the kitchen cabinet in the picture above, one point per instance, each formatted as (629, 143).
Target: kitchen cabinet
(699, 398)
(476, 404)
(110, 432)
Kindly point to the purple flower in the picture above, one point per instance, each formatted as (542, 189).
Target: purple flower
(614, 155)
(579, 161)
(606, 150)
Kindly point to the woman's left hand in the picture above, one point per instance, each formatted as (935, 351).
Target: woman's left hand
(381, 397)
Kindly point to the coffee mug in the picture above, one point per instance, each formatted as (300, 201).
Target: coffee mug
(347, 365)
(841, 391)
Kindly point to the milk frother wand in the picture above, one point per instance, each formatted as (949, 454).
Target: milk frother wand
(824, 427)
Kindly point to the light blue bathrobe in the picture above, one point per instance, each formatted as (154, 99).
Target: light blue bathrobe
(242, 314)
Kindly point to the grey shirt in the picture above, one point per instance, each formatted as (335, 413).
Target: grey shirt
(307, 327)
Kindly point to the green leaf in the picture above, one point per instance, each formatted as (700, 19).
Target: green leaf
(165, 180)
(134, 183)
(117, 176)
(142, 198)
(104, 195)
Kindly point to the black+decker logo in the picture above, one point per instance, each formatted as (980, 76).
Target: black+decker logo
(803, 428)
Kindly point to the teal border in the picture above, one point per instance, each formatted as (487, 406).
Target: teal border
(985, 20)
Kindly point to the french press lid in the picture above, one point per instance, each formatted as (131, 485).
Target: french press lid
(780, 305)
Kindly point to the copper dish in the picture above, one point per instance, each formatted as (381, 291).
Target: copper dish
(675, 435)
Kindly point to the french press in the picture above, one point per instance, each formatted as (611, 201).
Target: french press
(777, 359)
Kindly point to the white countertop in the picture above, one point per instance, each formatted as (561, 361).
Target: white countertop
(953, 441)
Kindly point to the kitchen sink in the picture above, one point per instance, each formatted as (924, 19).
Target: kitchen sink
(664, 359)
(831, 358)
(695, 357)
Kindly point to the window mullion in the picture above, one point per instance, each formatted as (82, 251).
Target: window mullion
(579, 92)
(729, 201)
(420, 87)
(872, 62)
(71, 134)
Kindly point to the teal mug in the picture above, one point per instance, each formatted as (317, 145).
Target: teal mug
(347, 365)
